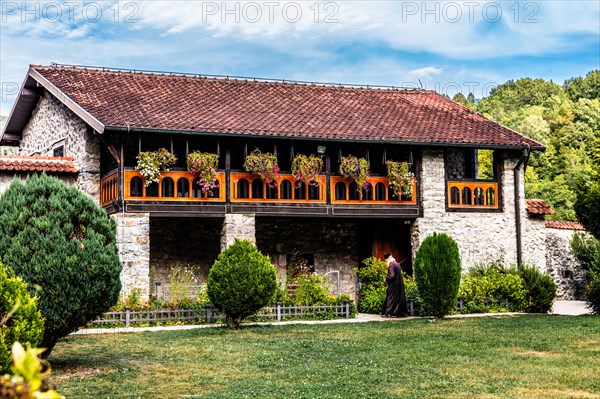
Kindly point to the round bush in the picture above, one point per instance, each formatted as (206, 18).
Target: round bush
(20, 320)
(56, 238)
(486, 292)
(241, 281)
(372, 291)
(540, 287)
(593, 293)
(437, 274)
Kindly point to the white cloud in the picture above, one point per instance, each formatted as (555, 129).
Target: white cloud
(427, 73)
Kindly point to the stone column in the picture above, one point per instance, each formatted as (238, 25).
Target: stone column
(237, 225)
(133, 241)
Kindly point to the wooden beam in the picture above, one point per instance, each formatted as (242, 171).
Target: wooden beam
(113, 151)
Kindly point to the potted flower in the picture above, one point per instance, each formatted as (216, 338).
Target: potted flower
(204, 166)
(400, 178)
(262, 164)
(357, 169)
(151, 163)
(307, 168)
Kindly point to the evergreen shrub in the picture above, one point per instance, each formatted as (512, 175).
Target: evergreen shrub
(56, 238)
(540, 287)
(20, 320)
(437, 274)
(241, 281)
(487, 291)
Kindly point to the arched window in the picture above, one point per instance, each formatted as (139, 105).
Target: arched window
(286, 189)
(454, 196)
(152, 190)
(478, 196)
(299, 190)
(466, 196)
(391, 195)
(197, 189)
(353, 192)
(136, 187)
(380, 192)
(340, 191)
(367, 195)
(168, 187)
(242, 189)
(272, 190)
(313, 191)
(183, 187)
(215, 192)
(490, 196)
(257, 189)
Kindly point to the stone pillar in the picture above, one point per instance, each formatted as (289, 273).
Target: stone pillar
(237, 225)
(133, 240)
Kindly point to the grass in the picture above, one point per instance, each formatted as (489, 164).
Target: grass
(492, 357)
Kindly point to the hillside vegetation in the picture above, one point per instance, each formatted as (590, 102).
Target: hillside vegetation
(566, 119)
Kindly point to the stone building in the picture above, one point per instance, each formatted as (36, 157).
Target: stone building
(103, 118)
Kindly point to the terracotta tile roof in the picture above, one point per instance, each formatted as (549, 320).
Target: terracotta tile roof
(538, 207)
(560, 224)
(246, 107)
(15, 163)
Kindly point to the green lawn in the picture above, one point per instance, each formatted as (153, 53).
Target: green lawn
(492, 357)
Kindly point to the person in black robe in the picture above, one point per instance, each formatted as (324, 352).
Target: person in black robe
(395, 301)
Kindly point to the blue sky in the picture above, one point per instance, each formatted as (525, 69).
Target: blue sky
(447, 46)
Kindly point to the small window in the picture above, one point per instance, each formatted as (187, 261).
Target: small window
(367, 194)
(490, 196)
(454, 196)
(300, 190)
(242, 188)
(197, 189)
(183, 188)
(353, 191)
(391, 195)
(152, 190)
(380, 192)
(168, 187)
(215, 192)
(340, 191)
(136, 187)
(466, 196)
(313, 191)
(272, 191)
(257, 189)
(286, 189)
(478, 196)
(59, 151)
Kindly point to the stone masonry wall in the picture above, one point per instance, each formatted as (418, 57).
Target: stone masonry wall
(533, 233)
(479, 235)
(52, 123)
(237, 225)
(133, 241)
(189, 243)
(334, 244)
(563, 266)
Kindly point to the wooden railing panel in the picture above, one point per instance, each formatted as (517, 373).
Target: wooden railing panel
(472, 194)
(237, 196)
(130, 175)
(386, 198)
(109, 188)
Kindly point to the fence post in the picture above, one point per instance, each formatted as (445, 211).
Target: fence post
(411, 304)
(347, 308)
(506, 301)
(460, 305)
(127, 316)
(208, 313)
(278, 311)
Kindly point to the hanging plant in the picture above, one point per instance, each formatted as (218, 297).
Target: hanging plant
(204, 166)
(400, 178)
(262, 164)
(306, 169)
(357, 169)
(151, 163)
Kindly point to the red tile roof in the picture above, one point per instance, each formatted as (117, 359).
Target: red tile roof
(560, 224)
(37, 164)
(245, 107)
(538, 207)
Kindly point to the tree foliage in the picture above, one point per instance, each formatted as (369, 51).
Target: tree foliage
(20, 319)
(241, 281)
(437, 274)
(58, 240)
(566, 119)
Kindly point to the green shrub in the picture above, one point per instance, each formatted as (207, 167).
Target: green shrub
(587, 250)
(410, 289)
(241, 281)
(56, 238)
(487, 291)
(437, 274)
(312, 289)
(373, 287)
(20, 320)
(593, 293)
(540, 288)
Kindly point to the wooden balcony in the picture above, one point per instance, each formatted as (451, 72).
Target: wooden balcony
(109, 188)
(346, 191)
(172, 186)
(482, 194)
(247, 187)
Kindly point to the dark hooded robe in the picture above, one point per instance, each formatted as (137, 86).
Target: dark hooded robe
(395, 301)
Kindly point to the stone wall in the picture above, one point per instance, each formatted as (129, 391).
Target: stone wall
(479, 235)
(334, 244)
(533, 233)
(189, 243)
(563, 266)
(133, 241)
(237, 225)
(52, 124)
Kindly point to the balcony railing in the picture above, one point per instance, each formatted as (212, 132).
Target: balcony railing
(473, 194)
(172, 186)
(247, 187)
(109, 188)
(346, 191)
